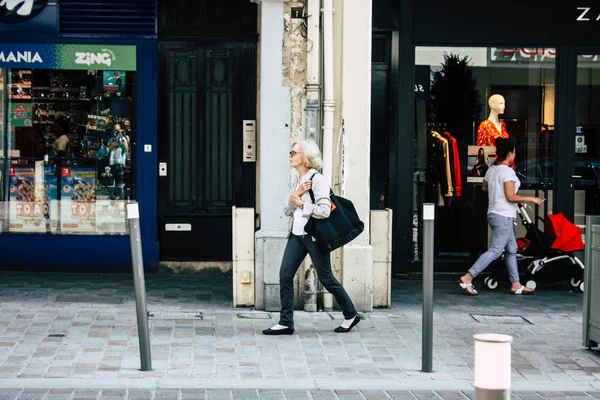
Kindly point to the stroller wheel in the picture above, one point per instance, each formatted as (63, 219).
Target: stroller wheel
(531, 284)
(575, 282)
(581, 287)
(485, 280)
(492, 283)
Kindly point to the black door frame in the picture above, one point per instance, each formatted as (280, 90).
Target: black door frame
(565, 111)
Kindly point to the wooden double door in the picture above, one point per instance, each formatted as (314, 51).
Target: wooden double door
(207, 90)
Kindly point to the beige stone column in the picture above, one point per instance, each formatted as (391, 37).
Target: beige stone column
(357, 273)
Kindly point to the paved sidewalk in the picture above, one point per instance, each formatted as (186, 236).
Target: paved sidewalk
(79, 331)
(253, 394)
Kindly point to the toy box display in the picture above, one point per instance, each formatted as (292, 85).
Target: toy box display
(76, 126)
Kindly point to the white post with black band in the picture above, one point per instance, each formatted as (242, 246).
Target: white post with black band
(492, 366)
(428, 243)
(133, 215)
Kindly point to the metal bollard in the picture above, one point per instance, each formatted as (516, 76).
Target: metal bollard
(428, 242)
(133, 214)
(492, 366)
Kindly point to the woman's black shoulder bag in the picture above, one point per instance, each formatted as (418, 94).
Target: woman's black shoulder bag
(342, 226)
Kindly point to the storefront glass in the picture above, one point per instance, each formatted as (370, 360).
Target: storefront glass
(586, 173)
(456, 128)
(68, 134)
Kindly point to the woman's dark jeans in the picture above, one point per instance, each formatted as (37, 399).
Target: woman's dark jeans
(295, 251)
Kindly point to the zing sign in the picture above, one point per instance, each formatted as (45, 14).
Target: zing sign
(14, 11)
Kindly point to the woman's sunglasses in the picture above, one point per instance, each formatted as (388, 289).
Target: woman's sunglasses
(293, 153)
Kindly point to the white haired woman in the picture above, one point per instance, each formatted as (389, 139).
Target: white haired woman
(305, 157)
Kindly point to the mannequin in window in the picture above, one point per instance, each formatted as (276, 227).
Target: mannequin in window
(492, 128)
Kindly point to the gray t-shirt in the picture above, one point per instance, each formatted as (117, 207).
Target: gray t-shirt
(495, 177)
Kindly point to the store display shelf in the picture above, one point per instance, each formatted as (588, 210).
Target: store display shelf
(60, 90)
(48, 99)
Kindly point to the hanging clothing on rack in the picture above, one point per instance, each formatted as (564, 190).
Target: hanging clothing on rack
(436, 175)
(449, 190)
(456, 171)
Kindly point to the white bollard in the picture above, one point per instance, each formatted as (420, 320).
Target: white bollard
(428, 250)
(492, 366)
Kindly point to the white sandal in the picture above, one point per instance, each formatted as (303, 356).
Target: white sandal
(466, 286)
(521, 289)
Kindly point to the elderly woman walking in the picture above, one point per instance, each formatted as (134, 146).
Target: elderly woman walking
(305, 157)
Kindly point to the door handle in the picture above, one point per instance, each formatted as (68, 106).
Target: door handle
(162, 169)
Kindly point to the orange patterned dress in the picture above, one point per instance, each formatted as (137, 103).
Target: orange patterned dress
(487, 133)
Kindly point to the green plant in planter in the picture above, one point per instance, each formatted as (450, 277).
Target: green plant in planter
(454, 99)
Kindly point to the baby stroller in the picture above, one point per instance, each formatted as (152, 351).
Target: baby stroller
(545, 256)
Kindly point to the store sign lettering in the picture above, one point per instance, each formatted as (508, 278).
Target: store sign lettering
(585, 14)
(25, 210)
(21, 57)
(83, 211)
(522, 54)
(20, 10)
(93, 59)
(531, 54)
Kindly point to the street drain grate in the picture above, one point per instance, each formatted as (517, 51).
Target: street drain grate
(254, 315)
(169, 315)
(500, 319)
(56, 335)
(89, 299)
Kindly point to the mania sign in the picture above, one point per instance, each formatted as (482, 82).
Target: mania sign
(15, 11)
(68, 56)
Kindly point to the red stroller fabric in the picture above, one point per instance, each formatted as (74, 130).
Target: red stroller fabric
(565, 234)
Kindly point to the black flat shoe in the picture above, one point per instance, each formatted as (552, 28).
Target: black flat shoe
(286, 331)
(341, 329)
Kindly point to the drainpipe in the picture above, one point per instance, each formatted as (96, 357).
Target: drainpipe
(313, 69)
(328, 103)
(328, 108)
(313, 88)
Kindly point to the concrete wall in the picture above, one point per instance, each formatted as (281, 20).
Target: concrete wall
(274, 142)
(356, 115)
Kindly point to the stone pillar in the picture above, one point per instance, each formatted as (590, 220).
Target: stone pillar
(272, 163)
(357, 275)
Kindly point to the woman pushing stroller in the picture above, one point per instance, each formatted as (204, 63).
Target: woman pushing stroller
(502, 185)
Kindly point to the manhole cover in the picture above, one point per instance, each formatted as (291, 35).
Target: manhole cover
(500, 319)
(254, 315)
(175, 315)
(89, 299)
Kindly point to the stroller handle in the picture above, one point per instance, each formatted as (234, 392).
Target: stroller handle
(523, 214)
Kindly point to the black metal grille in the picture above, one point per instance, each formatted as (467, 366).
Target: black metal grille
(108, 17)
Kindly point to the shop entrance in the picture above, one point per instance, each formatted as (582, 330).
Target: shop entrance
(583, 122)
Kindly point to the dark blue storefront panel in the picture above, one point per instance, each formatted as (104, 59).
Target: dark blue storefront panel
(147, 163)
(90, 252)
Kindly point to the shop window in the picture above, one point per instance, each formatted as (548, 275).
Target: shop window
(454, 136)
(66, 150)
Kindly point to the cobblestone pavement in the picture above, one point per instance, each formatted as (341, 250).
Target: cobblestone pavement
(79, 331)
(251, 394)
